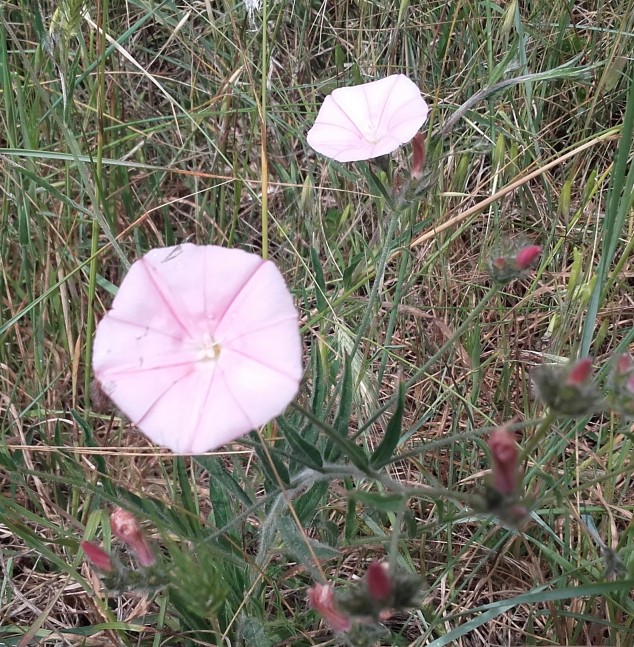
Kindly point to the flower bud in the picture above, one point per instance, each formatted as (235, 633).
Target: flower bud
(98, 557)
(526, 256)
(378, 581)
(125, 527)
(418, 156)
(621, 385)
(321, 597)
(579, 372)
(511, 264)
(505, 457)
(567, 389)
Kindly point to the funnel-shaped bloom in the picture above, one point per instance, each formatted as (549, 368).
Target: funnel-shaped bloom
(364, 121)
(201, 346)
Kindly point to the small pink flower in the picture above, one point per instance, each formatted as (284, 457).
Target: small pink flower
(505, 456)
(321, 597)
(579, 372)
(378, 581)
(361, 122)
(526, 256)
(125, 527)
(98, 557)
(201, 346)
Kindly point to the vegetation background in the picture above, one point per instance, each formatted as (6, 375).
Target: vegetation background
(126, 125)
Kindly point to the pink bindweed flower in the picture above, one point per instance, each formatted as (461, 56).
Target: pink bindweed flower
(321, 597)
(361, 122)
(505, 457)
(124, 526)
(97, 556)
(201, 346)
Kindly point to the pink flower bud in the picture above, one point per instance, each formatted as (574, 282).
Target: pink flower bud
(579, 372)
(505, 456)
(621, 385)
(378, 581)
(98, 557)
(624, 364)
(321, 597)
(527, 256)
(418, 156)
(125, 527)
(510, 261)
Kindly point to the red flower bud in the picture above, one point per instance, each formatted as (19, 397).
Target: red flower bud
(378, 581)
(98, 557)
(418, 156)
(621, 385)
(509, 261)
(125, 527)
(527, 256)
(579, 372)
(321, 597)
(624, 364)
(505, 456)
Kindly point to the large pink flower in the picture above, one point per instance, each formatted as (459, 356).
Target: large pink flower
(201, 346)
(364, 121)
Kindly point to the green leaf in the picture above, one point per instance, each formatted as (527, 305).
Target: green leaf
(384, 451)
(306, 453)
(252, 632)
(342, 420)
(319, 367)
(300, 547)
(380, 501)
(307, 505)
(220, 479)
(272, 465)
(190, 509)
(320, 283)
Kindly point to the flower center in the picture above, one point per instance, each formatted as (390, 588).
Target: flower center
(372, 134)
(208, 350)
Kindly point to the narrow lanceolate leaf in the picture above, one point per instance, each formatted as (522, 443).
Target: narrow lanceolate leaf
(342, 421)
(384, 451)
(380, 501)
(320, 283)
(303, 451)
(300, 547)
(618, 205)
